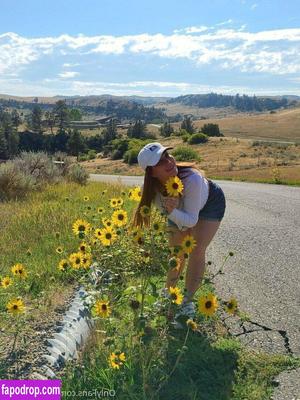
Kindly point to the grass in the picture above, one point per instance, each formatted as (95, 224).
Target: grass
(210, 363)
(226, 158)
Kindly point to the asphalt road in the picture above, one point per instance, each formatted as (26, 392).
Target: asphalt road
(262, 227)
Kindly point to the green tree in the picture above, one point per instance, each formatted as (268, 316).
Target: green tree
(35, 120)
(137, 130)
(50, 120)
(76, 143)
(211, 130)
(75, 114)
(62, 115)
(166, 129)
(12, 139)
(110, 132)
(3, 145)
(15, 118)
(187, 124)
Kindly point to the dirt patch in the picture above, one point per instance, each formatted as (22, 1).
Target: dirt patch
(20, 360)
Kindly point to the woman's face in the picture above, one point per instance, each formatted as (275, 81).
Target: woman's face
(165, 168)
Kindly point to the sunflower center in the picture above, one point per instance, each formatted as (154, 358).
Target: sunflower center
(81, 228)
(230, 305)
(208, 304)
(175, 186)
(187, 243)
(20, 271)
(104, 307)
(173, 296)
(15, 307)
(108, 236)
(121, 217)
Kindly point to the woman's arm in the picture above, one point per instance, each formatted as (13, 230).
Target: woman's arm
(195, 196)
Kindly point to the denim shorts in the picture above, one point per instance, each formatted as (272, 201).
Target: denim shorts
(214, 208)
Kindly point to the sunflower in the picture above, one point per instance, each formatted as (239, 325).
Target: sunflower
(176, 295)
(174, 263)
(63, 265)
(75, 260)
(84, 248)
(192, 324)
(6, 281)
(15, 307)
(102, 308)
(231, 306)
(120, 201)
(174, 186)
(119, 218)
(157, 227)
(140, 240)
(135, 194)
(116, 359)
(208, 304)
(188, 244)
(175, 251)
(100, 210)
(59, 249)
(86, 198)
(108, 236)
(98, 233)
(86, 260)
(19, 270)
(113, 202)
(81, 227)
(107, 222)
(145, 211)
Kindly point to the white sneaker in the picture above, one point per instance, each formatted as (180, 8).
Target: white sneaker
(187, 309)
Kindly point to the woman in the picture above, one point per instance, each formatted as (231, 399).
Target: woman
(198, 212)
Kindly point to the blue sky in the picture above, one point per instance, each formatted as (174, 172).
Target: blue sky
(156, 48)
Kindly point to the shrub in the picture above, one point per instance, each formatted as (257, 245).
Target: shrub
(211, 130)
(130, 157)
(185, 138)
(185, 154)
(14, 183)
(197, 138)
(38, 165)
(92, 154)
(76, 173)
(83, 157)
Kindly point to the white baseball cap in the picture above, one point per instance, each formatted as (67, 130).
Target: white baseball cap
(150, 154)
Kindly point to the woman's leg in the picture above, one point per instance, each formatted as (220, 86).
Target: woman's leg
(203, 233)
(175, 239)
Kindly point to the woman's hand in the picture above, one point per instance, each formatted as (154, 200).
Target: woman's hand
(170, 203)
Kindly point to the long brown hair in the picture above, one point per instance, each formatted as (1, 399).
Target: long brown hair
(152, 186)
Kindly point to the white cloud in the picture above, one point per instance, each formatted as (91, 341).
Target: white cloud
(253, 7)
(69, 65)
(192, 29)
(273, 51)
(229, 21)
(52, 87)
(68, 74)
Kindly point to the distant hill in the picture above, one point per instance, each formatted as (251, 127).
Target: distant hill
(242, 103)
(155, 109)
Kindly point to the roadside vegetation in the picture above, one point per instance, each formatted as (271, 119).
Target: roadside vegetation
(60, 236)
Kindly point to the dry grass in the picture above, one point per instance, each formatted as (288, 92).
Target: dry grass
(283, 125)
(223, 157)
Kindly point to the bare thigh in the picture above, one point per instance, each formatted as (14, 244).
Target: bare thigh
(203, 232)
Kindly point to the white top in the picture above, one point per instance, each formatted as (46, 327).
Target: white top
(193, 199)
